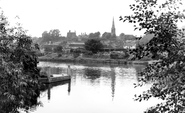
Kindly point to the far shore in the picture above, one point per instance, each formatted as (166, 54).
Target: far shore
(95, 60)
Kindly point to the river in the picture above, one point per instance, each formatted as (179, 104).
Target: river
(93, 89)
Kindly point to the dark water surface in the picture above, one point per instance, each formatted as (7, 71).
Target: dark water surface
(93, 89)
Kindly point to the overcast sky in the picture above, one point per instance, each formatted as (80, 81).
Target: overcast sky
(81, 16)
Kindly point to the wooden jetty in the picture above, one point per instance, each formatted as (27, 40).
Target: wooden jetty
(48, 80)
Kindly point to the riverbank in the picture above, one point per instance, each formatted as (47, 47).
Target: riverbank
(90, 60)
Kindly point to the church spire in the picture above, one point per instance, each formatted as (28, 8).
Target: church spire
(113, 29)
(113, 26)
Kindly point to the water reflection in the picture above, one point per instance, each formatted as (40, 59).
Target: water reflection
(93, 89)
(54, 71)
(92, 73)
(113, 81)
(48, 87)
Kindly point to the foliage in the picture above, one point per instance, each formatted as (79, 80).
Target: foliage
(18, 69)
(92, 73)
(52, 35)
(94, 35)
(167, 75)
(93, 45)
(106, 35)
(58, 49)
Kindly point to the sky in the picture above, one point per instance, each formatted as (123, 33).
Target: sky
(82, 16)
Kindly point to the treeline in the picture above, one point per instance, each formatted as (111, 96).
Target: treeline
(53, 35)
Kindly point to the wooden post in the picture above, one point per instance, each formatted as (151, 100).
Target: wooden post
(69, 87)
(48, 74)
(69, 71)
(49, 91)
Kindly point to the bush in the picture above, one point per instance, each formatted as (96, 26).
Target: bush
(93, 45)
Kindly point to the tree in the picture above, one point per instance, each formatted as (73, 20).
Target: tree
(93, 45)
(52, 35)
(122, 34)
(18, 69)
(55, 33)
(167, 75)
(58, 49)
(45, 34)
(106, 35)
(95, 35)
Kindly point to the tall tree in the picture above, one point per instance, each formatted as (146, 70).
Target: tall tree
(160, 18)
(45, 37)
(55, 33)
(45, 34)
(94, 35)
(18, 69)
(106, 35)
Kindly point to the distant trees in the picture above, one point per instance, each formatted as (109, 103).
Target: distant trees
(52, 35)
(55, 33)
(106, 35)
(94, 35)
(45, 34)
(93, 45)
(121, 36)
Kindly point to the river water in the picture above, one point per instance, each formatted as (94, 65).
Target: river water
(93, 89)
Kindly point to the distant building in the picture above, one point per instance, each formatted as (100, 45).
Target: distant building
(129, 41)
(71, 34)
(50, 45)
(145, 39)
(130, 44)
(126, 37)
(76, 45)
(73, 46)
(83, 35)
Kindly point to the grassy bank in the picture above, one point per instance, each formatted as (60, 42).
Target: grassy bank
(93, 60)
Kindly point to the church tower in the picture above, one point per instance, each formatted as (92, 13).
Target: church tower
(113, 29)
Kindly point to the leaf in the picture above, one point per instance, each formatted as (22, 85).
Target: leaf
(120, 18)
